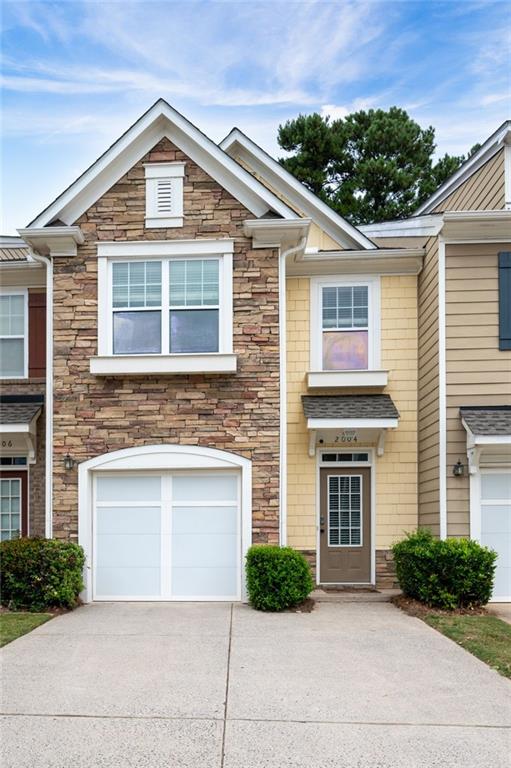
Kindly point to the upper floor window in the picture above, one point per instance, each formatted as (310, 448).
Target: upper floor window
(13, 334)
(166, 307)
(164, 194)
(345, 323)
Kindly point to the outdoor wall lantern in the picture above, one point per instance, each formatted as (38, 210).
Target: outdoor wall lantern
(69, 462)
(458, 470)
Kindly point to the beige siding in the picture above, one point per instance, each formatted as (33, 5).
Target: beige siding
(483, 191)
(429, 495)
(477, 372)
(396, 471)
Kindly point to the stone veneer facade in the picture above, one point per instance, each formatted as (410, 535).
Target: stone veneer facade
(237, 412)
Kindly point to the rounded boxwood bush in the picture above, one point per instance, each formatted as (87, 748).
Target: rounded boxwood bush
(277, 577)
(41, 573)
(448, 574)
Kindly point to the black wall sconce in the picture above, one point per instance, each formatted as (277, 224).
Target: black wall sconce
(458, 470)
(69, 462)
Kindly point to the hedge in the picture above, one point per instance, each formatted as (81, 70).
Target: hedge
(448, 574)
(277, 577)
(40, 573)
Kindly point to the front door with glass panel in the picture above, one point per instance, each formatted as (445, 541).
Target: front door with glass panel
(169, 536)
(14, 504)
(345, 525)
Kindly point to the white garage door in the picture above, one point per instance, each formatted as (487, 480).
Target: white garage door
(168, 536)
(496, 527)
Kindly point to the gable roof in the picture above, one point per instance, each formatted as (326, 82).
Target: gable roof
(160, 121)
(491, 146)
(239, 146)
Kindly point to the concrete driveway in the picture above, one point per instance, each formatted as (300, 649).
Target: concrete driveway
(221, 686)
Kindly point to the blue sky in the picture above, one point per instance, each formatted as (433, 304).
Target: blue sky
(76, 74)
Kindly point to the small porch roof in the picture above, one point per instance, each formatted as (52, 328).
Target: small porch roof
(349, 420)
(18, 418)
(488, 434)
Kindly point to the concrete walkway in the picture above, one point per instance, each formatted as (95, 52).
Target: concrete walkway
(221, 686)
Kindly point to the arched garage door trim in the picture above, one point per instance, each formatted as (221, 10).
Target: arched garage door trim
(164, 458)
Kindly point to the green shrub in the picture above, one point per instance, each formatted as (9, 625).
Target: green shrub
(277, 577)
(454, 573)
(41, 573)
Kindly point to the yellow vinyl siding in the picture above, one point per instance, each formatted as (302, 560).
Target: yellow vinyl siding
(396, 471)
(478, 373)
(428, 426)
(483, 191)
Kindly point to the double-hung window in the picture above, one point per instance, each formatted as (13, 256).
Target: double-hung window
(13, 334)
(345, 323)
(165, 307)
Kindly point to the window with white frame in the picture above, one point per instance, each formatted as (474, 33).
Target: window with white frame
(167, 299)
(13, 334)
(346, 325)
(165, 307)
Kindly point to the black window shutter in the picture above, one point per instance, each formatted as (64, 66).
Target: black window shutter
(505, 300)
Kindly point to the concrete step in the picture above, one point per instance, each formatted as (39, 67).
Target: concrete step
(354, 595)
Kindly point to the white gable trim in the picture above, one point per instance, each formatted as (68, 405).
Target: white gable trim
(490, 148)
(160, 121)
(237, 145)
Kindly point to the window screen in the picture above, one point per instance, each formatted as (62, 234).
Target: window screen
(345, 327)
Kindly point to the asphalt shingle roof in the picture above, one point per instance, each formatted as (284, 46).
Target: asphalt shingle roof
(494, 420)
(349, 407)
(18, 413)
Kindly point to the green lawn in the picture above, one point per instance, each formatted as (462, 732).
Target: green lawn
(14, 625)
(487, 637)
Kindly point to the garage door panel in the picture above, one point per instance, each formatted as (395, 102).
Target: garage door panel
(501, 543)
(189, 550)
(126, 550)
(128, 520)
(127, 582)
(205, 582)
(502, 586)
(215, 520)
(496, 486)
(496, 519)
(205, 488)
(128, 488)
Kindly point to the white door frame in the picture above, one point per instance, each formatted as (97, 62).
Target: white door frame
(371, 465)
(159, 458)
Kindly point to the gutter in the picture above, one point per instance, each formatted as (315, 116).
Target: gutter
(48, 485)
(283, 386)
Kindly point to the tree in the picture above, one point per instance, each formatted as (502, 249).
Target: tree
(373, 165)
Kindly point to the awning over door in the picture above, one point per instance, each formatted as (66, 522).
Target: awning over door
(349, 420)
(18, 424)
(488, 435)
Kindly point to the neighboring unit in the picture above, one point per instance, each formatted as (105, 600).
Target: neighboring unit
(228, 361)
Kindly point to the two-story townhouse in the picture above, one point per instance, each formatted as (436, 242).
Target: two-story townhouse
(465, 351)
(229, 362)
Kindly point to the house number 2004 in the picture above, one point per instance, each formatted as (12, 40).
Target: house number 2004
(346, 437)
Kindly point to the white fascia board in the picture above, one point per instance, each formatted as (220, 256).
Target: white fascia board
(161, 248)
(492, 439)
(276, 233)
(490, 147)
(53, 241)
(401, 261)
(476, 226)
(352, 423)
(326, 379)
(160, 121)
(416, 226)
(146, 365)
(238, 145)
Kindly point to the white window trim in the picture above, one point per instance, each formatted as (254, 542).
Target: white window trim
(345, 378)
(223, 361)
(19, 292)
(154, 172)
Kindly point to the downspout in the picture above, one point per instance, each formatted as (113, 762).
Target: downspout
(283, 387)
(48, 399)
(442, 393)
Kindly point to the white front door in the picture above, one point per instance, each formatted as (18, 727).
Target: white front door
(167, 536)
(496, 527)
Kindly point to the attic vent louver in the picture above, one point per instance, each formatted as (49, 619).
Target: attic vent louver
(164, 194)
